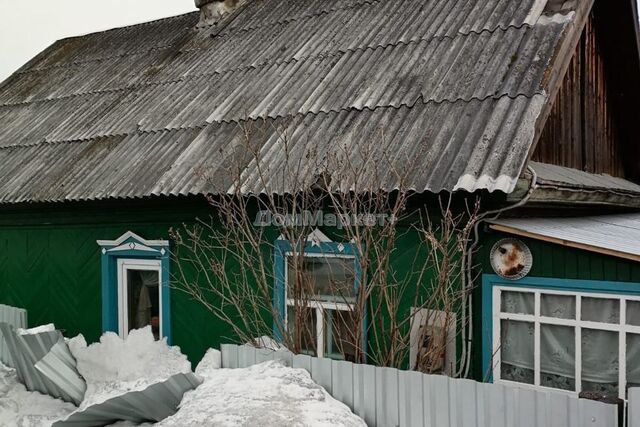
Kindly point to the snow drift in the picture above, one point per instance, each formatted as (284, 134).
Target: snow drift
(268, 394)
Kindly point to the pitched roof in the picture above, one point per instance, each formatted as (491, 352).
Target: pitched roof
(458, 85)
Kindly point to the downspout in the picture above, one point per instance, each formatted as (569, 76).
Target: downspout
(468, 276)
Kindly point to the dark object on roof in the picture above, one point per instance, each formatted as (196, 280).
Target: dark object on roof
(458, 86)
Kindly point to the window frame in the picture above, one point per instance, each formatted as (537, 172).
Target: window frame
(493, 315)
(134, 248)
(125, 264)
(316, 246)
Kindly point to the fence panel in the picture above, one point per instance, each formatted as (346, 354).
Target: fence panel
(634, 407)
(386, 397)
(16, 317)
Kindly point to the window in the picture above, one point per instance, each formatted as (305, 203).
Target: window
(318, 297)
(140, 299)
(570, 341)
(135, 285)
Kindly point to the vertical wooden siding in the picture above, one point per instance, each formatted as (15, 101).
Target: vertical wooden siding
(581, 130)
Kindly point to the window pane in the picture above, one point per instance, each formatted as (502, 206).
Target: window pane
(633, 313)
(600, 361)
(301, 325)
(143, 299)
(516, 351)
(601, 310)
(633, 360)
(558, 306)
(341, 335)
(517, 302)
(322, 279)
(557, 357)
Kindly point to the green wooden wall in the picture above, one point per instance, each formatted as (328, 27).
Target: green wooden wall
(50, 264)
(549, 261)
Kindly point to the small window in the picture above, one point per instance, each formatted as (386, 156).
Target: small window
(320, 301)
(319, 298)
(139, 290)
(135, 285)
(567, 341)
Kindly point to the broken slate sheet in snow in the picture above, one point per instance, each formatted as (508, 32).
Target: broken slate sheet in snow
(137, 379)
(16, 317)
(268, 394)
(31, 347)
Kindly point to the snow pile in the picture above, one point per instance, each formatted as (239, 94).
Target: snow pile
(19, 407)
(268, 394)
(115, 366)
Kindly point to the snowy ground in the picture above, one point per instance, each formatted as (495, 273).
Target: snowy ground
(21, 408)
(268, 394)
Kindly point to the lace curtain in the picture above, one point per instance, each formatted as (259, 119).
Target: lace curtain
(600, 356)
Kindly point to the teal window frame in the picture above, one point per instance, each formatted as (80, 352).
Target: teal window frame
(133, 247)
(490, 281)
(328, 248)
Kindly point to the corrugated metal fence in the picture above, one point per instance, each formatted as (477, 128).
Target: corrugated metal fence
(634, 408)
(16, 317)
(386, 397)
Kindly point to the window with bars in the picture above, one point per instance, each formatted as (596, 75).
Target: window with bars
(570, 341)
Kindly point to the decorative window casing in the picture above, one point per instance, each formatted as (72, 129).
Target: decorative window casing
(572, 340)
(327, 311)
(135, 285)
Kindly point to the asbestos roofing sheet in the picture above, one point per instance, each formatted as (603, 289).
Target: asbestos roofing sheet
(461, 85)
(435, 145)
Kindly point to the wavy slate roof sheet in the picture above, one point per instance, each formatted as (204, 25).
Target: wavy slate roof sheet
(455, 87)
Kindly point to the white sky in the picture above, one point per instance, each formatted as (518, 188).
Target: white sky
(28, 26)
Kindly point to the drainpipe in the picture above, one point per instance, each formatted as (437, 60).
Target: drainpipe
(467, 281)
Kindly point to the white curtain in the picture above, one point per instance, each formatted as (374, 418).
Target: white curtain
(600, 349)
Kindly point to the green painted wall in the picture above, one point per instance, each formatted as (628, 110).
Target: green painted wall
(549, 261)
(50, 264)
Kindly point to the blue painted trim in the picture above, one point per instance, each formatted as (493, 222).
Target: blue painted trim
(109, 259)
(489, 281)
(282, 247)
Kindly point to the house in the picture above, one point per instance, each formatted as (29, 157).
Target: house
(530, 105)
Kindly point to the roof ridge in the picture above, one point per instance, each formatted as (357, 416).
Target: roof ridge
(131, 26)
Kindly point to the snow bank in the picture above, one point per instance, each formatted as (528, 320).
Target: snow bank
(268, 394)
(114, 366)
(19, 407)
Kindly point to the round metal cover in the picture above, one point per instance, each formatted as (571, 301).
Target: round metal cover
(511, 259)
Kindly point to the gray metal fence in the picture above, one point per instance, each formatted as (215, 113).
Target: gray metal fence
(633, 418)
(386, 397)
